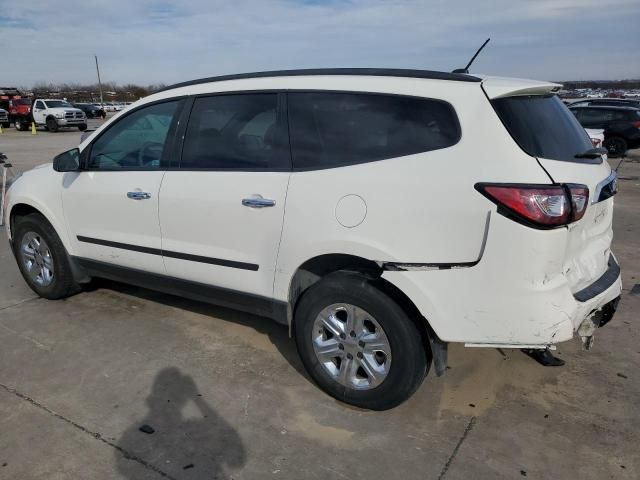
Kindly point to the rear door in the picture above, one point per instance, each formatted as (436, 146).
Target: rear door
(221, 212)
(544, 127)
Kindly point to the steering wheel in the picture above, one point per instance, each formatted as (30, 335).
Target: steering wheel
(149, 152)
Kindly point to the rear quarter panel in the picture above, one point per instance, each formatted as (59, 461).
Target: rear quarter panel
(421, 208)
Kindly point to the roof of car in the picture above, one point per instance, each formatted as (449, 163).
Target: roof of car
(376, 72)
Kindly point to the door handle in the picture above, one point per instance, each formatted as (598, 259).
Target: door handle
(138, 195)
(258, 202)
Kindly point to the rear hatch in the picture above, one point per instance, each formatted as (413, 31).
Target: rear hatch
(544, 128)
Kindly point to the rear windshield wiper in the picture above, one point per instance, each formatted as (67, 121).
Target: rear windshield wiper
(592, 153)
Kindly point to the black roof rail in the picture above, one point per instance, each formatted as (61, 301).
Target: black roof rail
(375, 72)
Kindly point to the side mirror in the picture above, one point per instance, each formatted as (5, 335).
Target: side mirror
(68, 161)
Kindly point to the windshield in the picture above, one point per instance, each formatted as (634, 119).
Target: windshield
(543, 126)
(57, 104)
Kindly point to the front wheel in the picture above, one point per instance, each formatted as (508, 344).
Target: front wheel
(616, 146)
(82, 128)
(19, 124)
(358, 344)
(42, 258)
(6, 125)
(52, 125)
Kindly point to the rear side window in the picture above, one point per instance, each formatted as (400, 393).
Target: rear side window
(236, 132)
(336, 129)
(543, 126)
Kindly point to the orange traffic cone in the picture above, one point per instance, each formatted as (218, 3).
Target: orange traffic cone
(33, 128)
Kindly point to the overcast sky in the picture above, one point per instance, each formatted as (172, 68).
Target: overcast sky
(151, 41)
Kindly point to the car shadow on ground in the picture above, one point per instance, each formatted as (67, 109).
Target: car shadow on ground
(176, 440)
(278, 334)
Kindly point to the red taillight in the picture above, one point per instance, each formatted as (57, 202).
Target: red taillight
(538, 205)
(636, 124)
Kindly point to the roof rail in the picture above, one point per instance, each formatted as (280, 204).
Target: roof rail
(377, 72)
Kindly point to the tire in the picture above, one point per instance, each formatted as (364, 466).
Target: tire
(6, 125)
(61, 283)
(52, 125)
(404, 366)
(616, 146)
(82, 128)
(19, 124)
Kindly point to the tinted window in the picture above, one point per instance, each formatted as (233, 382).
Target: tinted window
(336, 129)
(543, 126)
(135, 141)
(40, 105)
(236, 132)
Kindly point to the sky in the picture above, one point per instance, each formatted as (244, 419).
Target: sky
(159, 41)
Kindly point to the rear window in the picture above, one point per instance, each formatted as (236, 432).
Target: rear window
(543, 126)
(337, 129)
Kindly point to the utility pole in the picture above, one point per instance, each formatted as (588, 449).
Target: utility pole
(99, 82)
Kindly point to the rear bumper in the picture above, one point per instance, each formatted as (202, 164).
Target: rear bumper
(517, 295)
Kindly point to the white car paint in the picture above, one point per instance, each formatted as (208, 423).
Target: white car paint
(420, 208)
(66, 116)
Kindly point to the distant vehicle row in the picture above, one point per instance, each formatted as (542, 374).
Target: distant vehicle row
(619, 120)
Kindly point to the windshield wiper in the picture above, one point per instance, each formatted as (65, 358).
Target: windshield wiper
(592, 153)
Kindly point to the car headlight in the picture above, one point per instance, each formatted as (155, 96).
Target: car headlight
(59, 115)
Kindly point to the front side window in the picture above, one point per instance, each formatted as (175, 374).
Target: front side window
(39, 105)
(236, 132)
(135, 141)
(337, 129)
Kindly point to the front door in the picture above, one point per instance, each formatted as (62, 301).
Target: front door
(222, 211)
(111, 206)
(39, 111)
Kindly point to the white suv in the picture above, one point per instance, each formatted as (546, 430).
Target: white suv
(380, 214)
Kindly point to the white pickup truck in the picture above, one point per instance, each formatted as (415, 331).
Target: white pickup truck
(53, 114)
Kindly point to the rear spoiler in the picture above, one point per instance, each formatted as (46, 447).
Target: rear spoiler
(498, 87)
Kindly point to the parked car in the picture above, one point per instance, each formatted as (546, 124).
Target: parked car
(359, 207)
(54, 114)
(621, 126)
(90, 110)
(596, 135)
(608, 102)
(4, 118)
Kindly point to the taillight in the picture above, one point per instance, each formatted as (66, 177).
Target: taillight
(538, 206)
(636, 124)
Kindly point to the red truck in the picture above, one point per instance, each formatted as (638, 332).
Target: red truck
(18, 106)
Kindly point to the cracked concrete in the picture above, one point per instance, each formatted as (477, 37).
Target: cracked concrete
(227, 397)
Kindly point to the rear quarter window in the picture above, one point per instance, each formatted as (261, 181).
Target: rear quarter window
(337, 129)
(543, 126)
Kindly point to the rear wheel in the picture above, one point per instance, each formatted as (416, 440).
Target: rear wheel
(19, 124)
(616, 146)
(52, 125)
(358, 344)
(42, 258)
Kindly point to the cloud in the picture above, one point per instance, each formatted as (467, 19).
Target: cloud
(163, 41)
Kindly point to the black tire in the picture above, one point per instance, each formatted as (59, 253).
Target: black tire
(616, 146)
(82, 128)
(52, 125)
(19, 124)
(6, 125)
(410, 362)
(63, 284)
